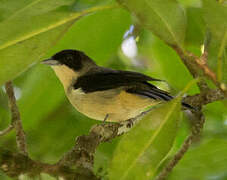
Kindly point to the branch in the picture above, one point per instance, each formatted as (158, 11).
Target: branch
(78, 162)
(189, 61)
(16, 120)
(15, 164)
(198, 68)
(6, 130)
(205, 97)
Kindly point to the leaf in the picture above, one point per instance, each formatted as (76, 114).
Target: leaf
(168, 64)
(165, 19)
(206, 161)
(215, 15)
(143, 148)
(27, 34)
(195, 31)
(99, 35)
(35, 89)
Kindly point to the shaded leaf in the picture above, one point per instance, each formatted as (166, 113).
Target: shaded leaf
(195, 31)
(166, 20)
(40, 95)
(169, 64)
(215, 15)
(142, 149)
(207, 161)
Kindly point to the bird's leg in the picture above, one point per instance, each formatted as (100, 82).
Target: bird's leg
(130, 123)
(106, 117)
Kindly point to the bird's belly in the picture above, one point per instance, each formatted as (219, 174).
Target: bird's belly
(118, 104)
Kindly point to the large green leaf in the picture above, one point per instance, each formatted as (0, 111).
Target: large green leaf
(28, 33)
(207, 161)
(215, 15)
(165, 19)
(99, 35)
(143, 148)
(195, 31)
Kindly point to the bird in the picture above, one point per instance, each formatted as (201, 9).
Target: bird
(103, 93)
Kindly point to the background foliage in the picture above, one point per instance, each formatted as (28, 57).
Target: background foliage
(33, 30)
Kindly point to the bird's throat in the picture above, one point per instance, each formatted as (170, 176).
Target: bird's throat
(65, 74)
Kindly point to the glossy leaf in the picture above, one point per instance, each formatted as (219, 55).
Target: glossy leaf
(28, 33)
(165, 19)
(142, 149)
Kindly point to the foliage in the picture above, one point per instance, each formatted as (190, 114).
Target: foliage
(34, 30)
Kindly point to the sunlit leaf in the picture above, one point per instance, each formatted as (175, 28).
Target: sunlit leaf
(141, 151)
(28, 33)
(99, 35)
(165, 19)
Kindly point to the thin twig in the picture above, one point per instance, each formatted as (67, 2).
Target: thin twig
(196, 130)
(204, 98)
(177, 157)
(6, 130)
(16, 120)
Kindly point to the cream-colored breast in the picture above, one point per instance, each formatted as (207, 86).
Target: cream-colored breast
(118, 104)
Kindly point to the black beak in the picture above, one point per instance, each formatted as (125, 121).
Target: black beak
(50, 62)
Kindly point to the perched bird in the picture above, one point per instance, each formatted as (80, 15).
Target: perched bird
(103, 93)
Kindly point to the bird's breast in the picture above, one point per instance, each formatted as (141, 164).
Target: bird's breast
(117, 103)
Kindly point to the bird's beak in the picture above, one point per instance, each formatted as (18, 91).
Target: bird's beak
(50, 62)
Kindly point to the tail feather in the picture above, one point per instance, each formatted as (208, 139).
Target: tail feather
(158, 95)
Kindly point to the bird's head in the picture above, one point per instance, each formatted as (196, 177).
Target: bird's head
(69, 64)
(73, 59)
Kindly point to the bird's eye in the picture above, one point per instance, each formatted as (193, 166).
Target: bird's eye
(69, 58)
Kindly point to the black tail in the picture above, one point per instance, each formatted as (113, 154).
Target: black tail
(158, 94)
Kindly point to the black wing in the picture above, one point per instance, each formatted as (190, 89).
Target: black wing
(104, 79)
(135, 83)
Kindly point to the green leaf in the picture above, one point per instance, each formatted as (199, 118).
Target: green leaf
(99, 35)
(207, 161)
(165, 19)
(143, 148)
(28, 33)
(195, 31)
(215, 15)
(35, 89)
(167, 65)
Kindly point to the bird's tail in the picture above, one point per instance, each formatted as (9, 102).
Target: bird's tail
(159, 94)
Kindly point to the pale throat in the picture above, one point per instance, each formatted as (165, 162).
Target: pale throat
(65, 74)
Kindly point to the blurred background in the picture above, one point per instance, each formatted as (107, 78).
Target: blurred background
(112, 38)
